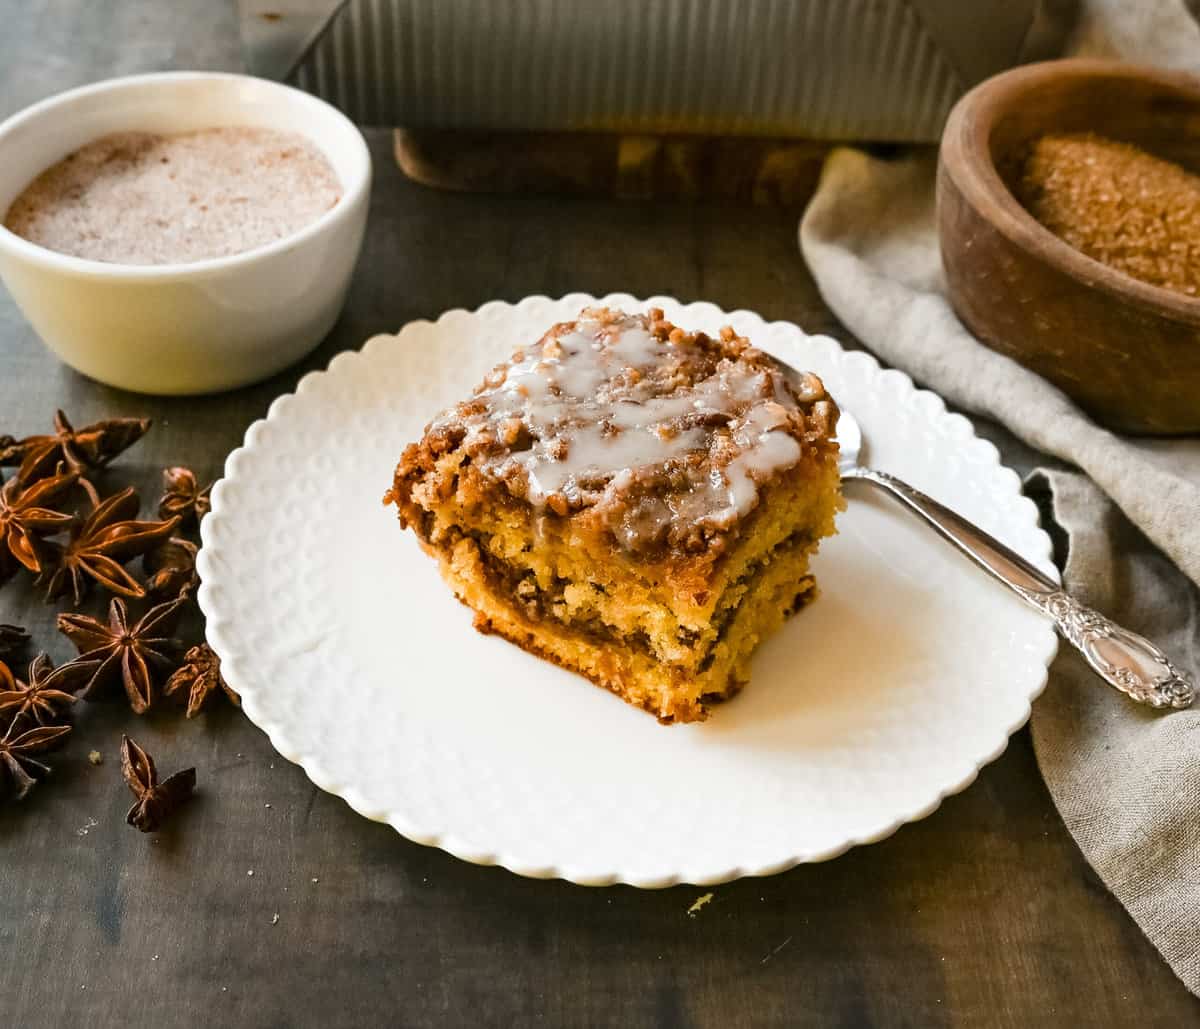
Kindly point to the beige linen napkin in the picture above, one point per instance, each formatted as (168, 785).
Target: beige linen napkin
(1125, 780)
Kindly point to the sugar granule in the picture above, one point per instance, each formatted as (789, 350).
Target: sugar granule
(1118, 204)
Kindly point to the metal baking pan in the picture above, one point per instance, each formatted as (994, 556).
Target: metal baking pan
(819, 69)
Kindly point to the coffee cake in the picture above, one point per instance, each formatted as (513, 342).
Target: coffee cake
(631, 501)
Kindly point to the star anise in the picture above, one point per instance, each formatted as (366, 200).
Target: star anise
(137, 654)
(183, 497)
(18, 770)
(100, 544)
(154, 801)
(84, 449)
(171, 569)
(13, 640)
(200, 675)
(25, 520)
(40, 698)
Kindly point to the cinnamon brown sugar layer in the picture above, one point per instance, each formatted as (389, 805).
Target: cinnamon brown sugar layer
(143, 199)
(632, 501)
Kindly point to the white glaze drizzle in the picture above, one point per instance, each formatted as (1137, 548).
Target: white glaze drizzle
(600, 406)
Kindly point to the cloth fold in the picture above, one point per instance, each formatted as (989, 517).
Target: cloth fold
(1125, 779)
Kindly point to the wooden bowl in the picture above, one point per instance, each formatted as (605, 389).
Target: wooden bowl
(1125, 351)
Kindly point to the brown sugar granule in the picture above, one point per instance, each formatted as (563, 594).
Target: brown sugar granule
(144, 199)
(1117, 204)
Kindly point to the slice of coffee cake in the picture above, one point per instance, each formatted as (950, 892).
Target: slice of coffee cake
(632, 501)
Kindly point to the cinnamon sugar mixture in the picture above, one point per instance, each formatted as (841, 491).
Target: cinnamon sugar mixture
(1118, 204)
(144, 199)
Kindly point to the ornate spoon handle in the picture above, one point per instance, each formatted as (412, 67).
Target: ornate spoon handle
(1125, 660)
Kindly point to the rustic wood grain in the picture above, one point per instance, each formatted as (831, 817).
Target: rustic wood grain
(767, 172)
(983, 913)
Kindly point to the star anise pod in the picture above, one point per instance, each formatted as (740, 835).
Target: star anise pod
(84, 449)
(99, 546)
(40, 698)
(13, 640)
(200, 675)
(182, 496)
(25, 520)
(137, 655)
(18, 770)
(154, 801)
(171, 569)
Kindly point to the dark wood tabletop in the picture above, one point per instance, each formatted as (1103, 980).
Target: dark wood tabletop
(984, 913)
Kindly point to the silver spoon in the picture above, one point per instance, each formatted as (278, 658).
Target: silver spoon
(1125, 660)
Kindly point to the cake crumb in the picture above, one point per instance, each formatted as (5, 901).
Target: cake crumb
(95, 757)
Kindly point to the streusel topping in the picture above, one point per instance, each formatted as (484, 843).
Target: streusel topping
(661, 432)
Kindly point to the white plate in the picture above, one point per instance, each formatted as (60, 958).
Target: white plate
(906, 676)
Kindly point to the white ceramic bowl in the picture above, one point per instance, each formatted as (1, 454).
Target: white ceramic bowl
(184, 328)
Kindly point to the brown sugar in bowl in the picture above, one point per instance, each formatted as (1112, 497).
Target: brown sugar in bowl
(1126, 351)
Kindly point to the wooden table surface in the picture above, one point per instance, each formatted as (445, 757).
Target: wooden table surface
(983, 913)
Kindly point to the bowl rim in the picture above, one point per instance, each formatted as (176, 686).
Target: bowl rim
(965, 157)
(354, 190)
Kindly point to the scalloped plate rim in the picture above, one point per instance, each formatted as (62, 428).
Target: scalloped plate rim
(478, 854)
